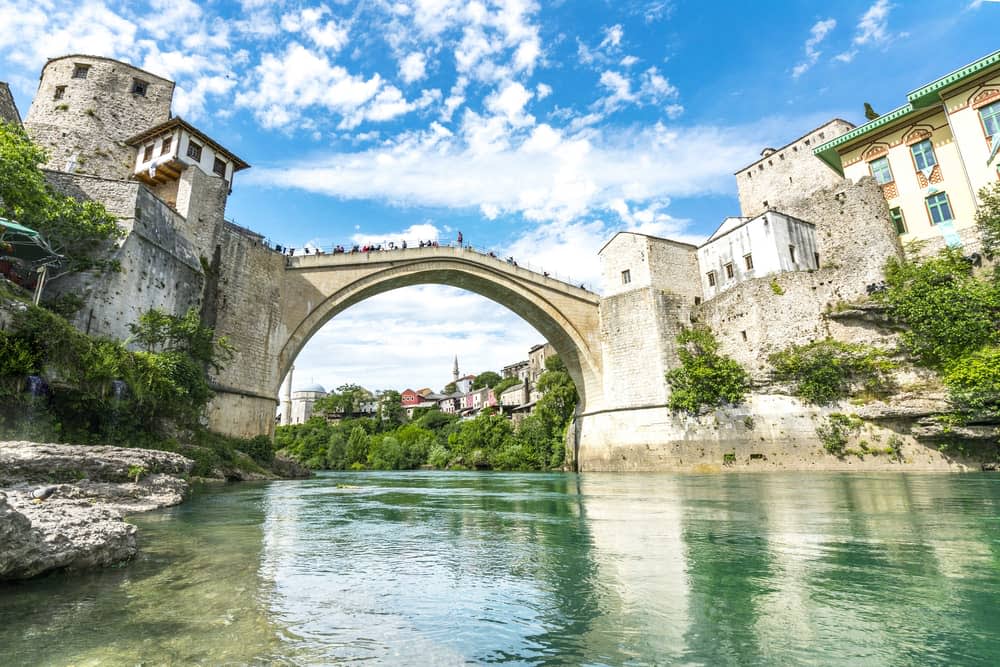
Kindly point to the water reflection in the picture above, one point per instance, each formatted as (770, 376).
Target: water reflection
(460, 568)
(192, 596)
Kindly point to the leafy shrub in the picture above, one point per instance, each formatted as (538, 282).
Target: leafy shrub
(946, 311)
(974, 380)
(704, 378)
(988, 218)
(259, 448)
(776, 287)
(894, 447)
(828, 370)
(836, 430)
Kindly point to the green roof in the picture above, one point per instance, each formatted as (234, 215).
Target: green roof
(928, 95)
(24, 243)
(11, 226)
(921, 98)
(828, 151)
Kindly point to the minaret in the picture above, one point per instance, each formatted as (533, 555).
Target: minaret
(286, 405)
(454, 370)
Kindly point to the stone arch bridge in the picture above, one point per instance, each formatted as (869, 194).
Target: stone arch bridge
(270, 305)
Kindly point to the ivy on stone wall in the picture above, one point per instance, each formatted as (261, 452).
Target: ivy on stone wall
(828, 370)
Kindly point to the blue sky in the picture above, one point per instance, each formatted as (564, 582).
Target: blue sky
(538, 129)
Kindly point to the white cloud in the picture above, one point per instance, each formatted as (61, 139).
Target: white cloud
(325, 33)
(542, 91)
(542, 174)
(413, 234)
(612, 37)
(510, 102)
(297, 79)
(170, 16)
(413, 67)
(817, 33)
(35, 31)
(628, 61)
(365, 343)
(654, 88)
(872, 29)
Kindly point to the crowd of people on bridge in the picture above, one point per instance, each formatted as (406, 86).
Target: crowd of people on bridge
(366, 248)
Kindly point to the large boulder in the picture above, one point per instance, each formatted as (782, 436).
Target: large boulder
(78, 525)
(41, 463)
(59, 533)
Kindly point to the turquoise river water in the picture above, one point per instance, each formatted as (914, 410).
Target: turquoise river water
(430, 568)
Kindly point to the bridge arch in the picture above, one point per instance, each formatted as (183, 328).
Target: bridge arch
(319, 287)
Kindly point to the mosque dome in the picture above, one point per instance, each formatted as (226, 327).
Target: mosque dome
(316, 388)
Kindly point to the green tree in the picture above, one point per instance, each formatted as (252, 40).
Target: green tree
(504, 385)
(974, 380)
(477, 440)
(358, 444)
(486, 379)
(390, 410)
(344, 401)
(988, 219)
(705, 378)
(450, 388)
(157, 331)
(945, 311)
(81, 232)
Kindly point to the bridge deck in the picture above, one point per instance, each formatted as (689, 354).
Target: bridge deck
(467, 254)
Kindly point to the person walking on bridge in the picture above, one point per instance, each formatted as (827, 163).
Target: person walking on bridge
(460, 238)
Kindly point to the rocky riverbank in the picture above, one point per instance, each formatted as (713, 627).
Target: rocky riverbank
(62, 506)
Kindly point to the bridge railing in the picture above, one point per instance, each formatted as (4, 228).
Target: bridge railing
(397, 246)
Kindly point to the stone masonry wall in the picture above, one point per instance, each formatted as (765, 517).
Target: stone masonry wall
(855, 238)
(248, 313)
(639, 325)
(95, 115)
(201, 200)
(780, 178)
(159, 267)
(8, 110)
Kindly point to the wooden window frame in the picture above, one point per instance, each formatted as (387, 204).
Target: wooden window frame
(80, 71)
(748, 261)
(871, 170)
(982, 121)
(913, 156)
(626, 277)
(730, 271)
(947, 200)
(147, 153)
(899, 224)
(139, 87)
(215, 167)
(712, 281)
(194, 150)
(168, 143)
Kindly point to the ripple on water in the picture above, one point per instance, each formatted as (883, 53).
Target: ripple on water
(459, 568)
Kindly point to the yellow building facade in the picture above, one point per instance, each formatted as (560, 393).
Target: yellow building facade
(932, 155)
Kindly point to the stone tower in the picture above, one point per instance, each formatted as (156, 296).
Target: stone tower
(454, 370)
(86, 108)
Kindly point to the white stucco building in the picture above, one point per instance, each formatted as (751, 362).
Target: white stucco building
(745, 248)
(303, 400)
